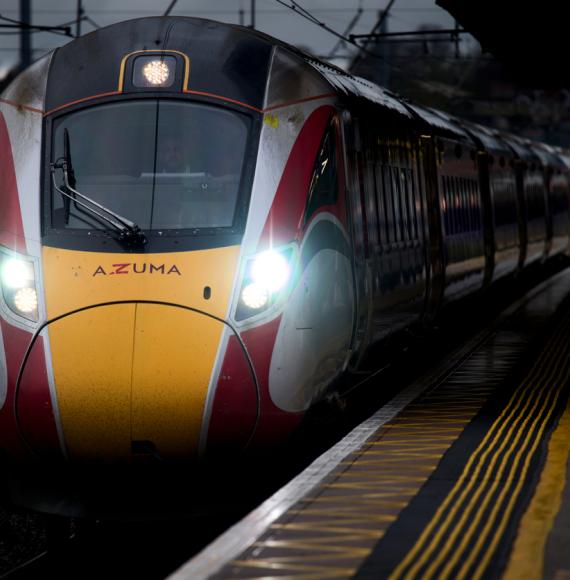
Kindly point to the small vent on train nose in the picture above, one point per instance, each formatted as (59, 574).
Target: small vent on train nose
(145, 448)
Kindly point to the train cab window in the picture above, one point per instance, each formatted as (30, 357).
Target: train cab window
(165, 165)
(323, 189)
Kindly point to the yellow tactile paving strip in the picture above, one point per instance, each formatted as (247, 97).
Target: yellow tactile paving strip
(329, 535)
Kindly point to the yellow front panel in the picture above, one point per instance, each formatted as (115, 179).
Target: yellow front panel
(173, 360)
(135, 372)
(91, 354)
(76, 279)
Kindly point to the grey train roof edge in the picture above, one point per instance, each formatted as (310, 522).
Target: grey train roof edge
(488, 139)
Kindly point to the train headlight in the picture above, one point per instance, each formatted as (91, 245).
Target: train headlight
(17, 273)
(26, 300)
(266, 278)
(255, 296)
(270, 270)
(19, 286)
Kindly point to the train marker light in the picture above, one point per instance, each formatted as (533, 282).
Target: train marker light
(156, 72)
(26, 300)
(270, 270)
(17, 273)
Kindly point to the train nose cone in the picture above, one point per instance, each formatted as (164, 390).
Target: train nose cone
(133, 378)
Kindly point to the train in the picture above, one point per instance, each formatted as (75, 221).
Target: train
(203, 229)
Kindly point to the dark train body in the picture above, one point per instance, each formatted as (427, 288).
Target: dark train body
(202, 228)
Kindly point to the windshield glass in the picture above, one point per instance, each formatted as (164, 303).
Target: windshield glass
(165, 165)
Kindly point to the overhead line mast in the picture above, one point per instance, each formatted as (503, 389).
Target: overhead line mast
(25, 36)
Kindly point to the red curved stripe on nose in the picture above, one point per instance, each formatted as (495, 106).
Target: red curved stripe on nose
(35, 410)
(11, 226)
(286, 213)
(234, 408)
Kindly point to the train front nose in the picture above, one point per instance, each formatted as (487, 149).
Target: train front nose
(132, 379)
(131, 362)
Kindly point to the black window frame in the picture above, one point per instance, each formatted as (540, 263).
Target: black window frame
(331, 132)
(157, 241)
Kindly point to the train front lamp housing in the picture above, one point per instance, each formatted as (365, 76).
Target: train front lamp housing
(266, 276)
(18, 282)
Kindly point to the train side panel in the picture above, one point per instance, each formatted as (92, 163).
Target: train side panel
(27, 406)
(300, 344)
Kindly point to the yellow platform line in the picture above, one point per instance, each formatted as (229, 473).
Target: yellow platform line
(494, 437)
(503, 496)
(527, 556)
(475, 480)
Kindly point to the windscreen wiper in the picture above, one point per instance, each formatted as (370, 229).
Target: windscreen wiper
(72, 182)
(129, 231)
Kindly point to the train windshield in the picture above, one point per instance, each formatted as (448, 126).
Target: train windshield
(165, 165)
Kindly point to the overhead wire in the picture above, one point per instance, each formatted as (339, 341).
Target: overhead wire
(347, 30)
(298, 9)
(384, 14)
(363, 50)
(59, 30)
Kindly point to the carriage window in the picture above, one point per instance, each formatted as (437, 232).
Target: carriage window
(165, 165)
(396, 197)
(381, 205)
(388, 193)
(324, 183)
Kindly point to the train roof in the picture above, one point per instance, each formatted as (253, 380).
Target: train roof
(520, 147)
(439, 121)
(548, 156)
(488, 139)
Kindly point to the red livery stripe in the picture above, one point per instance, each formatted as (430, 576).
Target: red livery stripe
(283, 223)
(35, 410)
(11, 226)
(234, 409)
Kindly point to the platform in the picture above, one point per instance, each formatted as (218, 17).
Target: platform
(462, 475)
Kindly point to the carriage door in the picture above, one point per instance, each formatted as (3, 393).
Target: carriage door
(358, 229)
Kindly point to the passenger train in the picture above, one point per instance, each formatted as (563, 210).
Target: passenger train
(203, 228)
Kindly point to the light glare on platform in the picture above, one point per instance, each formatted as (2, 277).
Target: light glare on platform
(17, 273)
(26, 300)
(255, 296)
(156, 72)
(270, 270)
